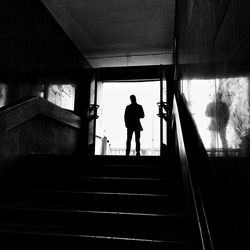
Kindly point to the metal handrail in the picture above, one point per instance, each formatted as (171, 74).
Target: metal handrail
(193, 193)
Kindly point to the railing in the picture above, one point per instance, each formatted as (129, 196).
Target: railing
(17, 114)
(193, 193)
(221, 152)
(102, 146)
(144, 151)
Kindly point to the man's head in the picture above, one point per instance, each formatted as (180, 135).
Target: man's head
(133, 98)
(218, 96)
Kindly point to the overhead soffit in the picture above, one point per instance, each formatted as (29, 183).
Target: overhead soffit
(121, 32)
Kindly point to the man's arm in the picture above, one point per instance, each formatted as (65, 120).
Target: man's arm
(141, 115)
(126, 117)
(208, 111)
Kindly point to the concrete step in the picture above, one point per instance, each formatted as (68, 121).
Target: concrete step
(110, 201)
(96, 183)
(174, 227)
(28, 237)
(58, 201)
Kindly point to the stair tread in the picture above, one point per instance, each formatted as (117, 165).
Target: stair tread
(142, 203)
(50, 208)
(72, 232)
(59, 190)
(116, 170)
(96, 184)
(136, 202)
(28, 175)
(28, 179)
(89, 207)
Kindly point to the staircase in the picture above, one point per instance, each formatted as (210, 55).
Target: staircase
(111, 202)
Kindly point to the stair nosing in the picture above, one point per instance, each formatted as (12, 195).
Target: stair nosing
(97, 177)
(120, 212)
(19, 231)
(87, 192)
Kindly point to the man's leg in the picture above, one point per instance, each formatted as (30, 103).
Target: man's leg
(213, 142)
(223, 138)
(129, 138)
(137, 141)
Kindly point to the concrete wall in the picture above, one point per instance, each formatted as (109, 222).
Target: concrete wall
(34, 49)
(213, 38)
(40, 135)
(36, 52)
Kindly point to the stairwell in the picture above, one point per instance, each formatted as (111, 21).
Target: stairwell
(108, 202)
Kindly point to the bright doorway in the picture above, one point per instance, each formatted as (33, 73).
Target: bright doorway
(110, 127)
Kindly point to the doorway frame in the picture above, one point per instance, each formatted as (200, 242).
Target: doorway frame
(138, 74)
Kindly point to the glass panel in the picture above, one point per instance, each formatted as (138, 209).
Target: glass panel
(99, 133)
(235, 93)
(3, 94)
(116, 96)
(63, 95)
(91, 132)
(221, 111)
(164, 99)
(92, 92)
(92, 122)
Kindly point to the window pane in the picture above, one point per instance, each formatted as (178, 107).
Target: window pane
(62, 95)
(3, 94)
(221, 111)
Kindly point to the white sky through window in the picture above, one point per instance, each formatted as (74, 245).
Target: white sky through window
(116, 98)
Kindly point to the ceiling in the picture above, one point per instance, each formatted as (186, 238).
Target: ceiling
(118, 32)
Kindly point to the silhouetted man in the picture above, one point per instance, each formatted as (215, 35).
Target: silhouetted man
(133, 113)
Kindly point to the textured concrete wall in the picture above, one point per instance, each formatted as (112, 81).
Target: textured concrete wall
(36, 52)
(232, 50)
(31, 39)
(213, 38)
(38, 135)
